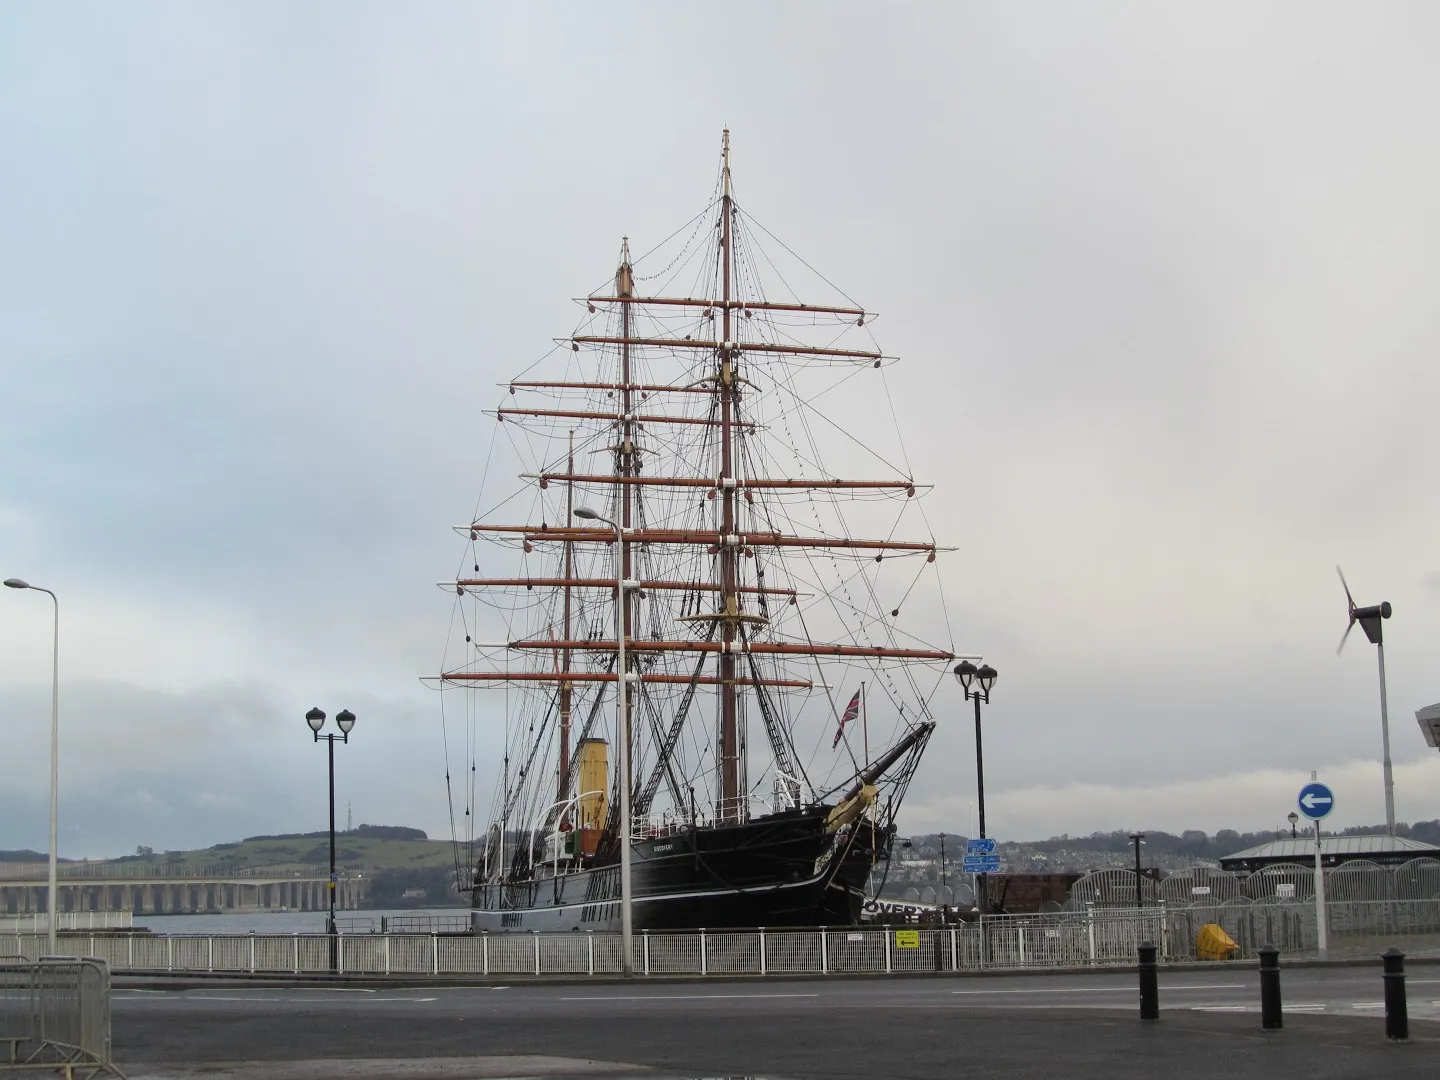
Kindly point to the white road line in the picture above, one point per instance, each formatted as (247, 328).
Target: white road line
(1102, 989)
(434, 988)
(275, 1001)
(690, 997)
(1367, 1004)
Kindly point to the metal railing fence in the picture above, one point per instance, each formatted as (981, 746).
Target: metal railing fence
(55, 1015)
(1094, 937)
(1357, 880)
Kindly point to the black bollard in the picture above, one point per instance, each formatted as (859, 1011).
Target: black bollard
(1271, 1018)
(1397, 1018)
(1149, 983)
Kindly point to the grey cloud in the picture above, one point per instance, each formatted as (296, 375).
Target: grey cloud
(1159, 278)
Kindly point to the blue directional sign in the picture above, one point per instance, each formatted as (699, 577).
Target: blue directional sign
(1316, 800)
(980, 847)
(980, 864)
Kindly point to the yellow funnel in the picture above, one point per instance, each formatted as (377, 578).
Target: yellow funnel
(594, 776)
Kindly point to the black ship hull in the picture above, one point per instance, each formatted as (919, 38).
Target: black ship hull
(781, 870)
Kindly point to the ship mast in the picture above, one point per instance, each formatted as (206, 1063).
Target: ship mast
(565, 686)
(751, 654)
(731, 806)
(624, 469)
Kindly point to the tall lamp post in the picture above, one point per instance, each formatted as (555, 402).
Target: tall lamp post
(984, 678)
(622, 730)
(1138, 838)
(344, 720)
(50, 900)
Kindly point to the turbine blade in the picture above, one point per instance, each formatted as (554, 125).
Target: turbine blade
(1349, 600)
(1341, 646)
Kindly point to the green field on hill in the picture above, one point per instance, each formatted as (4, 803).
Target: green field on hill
(367, 847)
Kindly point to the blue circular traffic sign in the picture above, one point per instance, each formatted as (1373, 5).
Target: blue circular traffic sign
(1316, 800)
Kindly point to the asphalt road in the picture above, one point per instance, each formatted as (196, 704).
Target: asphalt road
(1059, 1026)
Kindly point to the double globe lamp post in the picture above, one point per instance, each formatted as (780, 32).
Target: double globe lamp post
(345, 721)
(977, 682)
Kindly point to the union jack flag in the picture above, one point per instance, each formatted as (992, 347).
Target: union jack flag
(851, 711)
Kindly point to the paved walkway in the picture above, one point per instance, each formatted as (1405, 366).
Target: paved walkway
(1024, 1027)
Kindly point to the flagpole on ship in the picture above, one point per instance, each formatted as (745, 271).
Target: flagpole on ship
(865, 734)
(864, 724)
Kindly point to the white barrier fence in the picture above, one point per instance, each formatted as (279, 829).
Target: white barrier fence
(55, 1016)
(1064, 939)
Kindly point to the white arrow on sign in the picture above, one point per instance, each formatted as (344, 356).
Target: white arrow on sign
(1310, 800)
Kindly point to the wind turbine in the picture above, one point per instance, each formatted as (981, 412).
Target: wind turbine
(1369, 620)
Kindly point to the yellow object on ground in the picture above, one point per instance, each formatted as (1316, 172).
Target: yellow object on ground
(1212, 943)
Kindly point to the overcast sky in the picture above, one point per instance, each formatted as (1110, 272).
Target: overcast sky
(1161, 277)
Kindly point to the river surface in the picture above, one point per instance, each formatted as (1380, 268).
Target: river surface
(290, 922)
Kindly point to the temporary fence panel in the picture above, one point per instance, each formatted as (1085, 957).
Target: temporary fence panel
(55, 1015)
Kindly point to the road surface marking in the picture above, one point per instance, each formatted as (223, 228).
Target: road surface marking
(1103, 989)
(690, 997)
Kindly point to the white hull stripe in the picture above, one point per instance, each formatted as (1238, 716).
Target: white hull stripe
(652, 899)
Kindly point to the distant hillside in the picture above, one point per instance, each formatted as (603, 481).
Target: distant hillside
(366, 847)
(26, 855)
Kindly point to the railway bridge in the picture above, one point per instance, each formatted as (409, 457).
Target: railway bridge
(165, 890)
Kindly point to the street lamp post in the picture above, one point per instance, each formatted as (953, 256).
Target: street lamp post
(1138, 838)
(622, 729)
(345, 721)
(50, 899)
(984, 677)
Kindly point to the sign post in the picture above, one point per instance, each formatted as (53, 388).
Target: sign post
(981, 857)
(1316, 801)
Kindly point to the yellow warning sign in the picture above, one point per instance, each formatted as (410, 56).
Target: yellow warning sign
(907, 939)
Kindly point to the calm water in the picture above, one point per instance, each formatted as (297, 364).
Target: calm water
(283, 922)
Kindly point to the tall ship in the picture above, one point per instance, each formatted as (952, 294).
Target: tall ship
(664, 581)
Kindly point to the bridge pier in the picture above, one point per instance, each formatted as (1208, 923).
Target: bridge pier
(25, 895)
